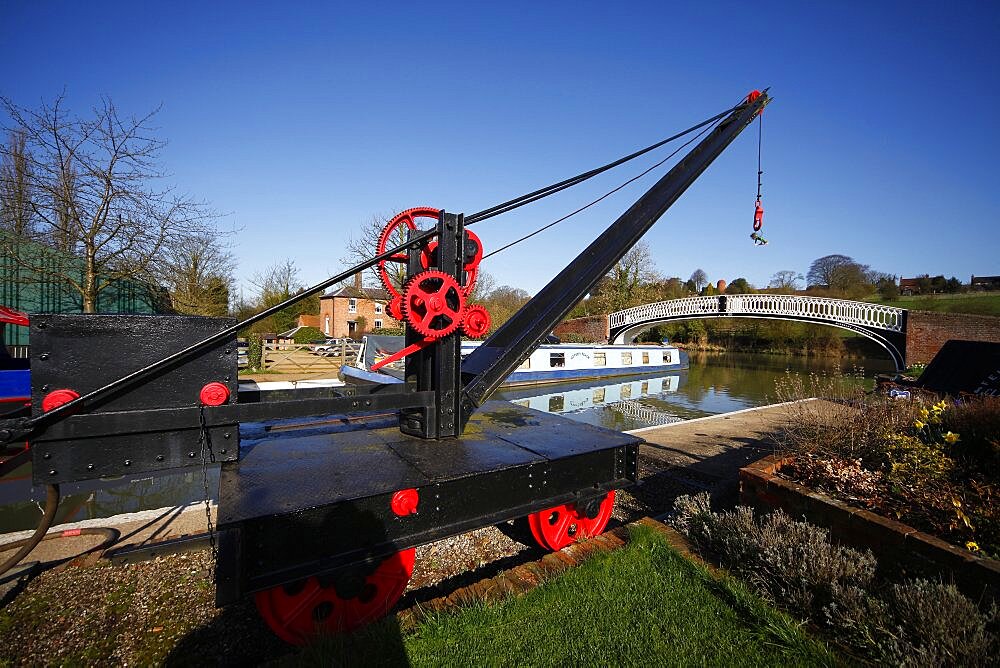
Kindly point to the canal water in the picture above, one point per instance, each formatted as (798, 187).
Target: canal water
(714, 384)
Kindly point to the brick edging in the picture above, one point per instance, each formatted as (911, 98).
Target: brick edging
(526, 577)
(901, 544)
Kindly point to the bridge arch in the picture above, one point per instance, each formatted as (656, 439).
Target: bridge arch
(885, 325)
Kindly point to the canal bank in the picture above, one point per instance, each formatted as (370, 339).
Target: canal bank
(697, 455)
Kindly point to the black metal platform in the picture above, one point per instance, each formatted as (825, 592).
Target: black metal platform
(309, 497)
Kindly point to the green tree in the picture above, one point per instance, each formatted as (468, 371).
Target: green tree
(739, 286)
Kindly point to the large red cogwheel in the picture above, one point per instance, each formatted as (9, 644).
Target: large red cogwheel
(299, 611)
(408, 218)
(402, 218)
(433, 304)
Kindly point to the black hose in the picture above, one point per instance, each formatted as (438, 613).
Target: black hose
(28, 544)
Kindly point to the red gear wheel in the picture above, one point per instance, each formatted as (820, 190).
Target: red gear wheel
(471, 267)
(433, 304)
(477, 321)
(558, 527)
(299, 611)
(406, 218)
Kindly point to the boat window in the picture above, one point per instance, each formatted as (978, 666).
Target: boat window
(645, 387)
(526, 364)
(645, 358)
(666, 357)
(600, 359)
(523, 402)
(598, 395)
(557, 359)
(626, 358)
(627, 391)
(557, 403)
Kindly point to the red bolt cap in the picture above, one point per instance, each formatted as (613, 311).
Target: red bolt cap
(214, 394)
(57, 398)
(404, 502)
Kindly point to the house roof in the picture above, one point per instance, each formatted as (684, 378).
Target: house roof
(373, 294)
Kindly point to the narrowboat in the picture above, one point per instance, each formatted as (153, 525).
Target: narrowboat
(548, 363)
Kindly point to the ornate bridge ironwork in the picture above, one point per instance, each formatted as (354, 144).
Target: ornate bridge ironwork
(885, 325)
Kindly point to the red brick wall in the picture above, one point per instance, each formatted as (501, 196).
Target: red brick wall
(593, 328)
(927, 331)
(337, 310)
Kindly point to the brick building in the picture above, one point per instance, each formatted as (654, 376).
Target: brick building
(354, 310)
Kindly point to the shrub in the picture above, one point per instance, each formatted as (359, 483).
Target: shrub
(255, 349)
(936, 625)
(795, 564)
(977, 419)
(307, 334)
(792, 561)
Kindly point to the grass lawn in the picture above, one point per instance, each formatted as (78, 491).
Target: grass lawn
(642, 604)
(982, 303)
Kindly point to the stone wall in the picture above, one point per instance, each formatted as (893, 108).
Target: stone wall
(927, 331)
(594, 328)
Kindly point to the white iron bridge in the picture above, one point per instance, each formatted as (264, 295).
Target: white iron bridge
(886, 325)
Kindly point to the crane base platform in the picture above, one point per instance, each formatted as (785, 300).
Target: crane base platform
(311, 497)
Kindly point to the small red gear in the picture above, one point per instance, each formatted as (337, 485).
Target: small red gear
(433, 304)
(402, 218)
(477, 321)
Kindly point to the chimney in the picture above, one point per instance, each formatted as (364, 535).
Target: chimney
(357, 281)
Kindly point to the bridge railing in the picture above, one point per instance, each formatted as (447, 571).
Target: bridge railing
(888, 318)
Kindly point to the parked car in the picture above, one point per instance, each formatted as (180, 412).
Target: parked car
(326, 345)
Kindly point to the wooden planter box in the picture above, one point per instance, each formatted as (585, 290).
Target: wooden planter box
(896, 545)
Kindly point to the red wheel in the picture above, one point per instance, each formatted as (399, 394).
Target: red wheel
(558, 527)
(298, 611)
(434, 304)
(394, 229)
(477, 321)
(396, 308)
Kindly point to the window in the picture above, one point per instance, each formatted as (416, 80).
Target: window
(666, 357)
(599, 395)
(645, 358)
(600, 359)
(557, 403)
(626, 359)
(526, 364)
(378, 324)
(627, 391)
(352, 305)
(326, 325)
(378, 309)
(645, 387)
(557, 359)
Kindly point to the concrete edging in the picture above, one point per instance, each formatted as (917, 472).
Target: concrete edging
(892, 541)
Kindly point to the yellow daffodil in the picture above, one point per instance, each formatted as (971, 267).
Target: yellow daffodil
(972, 546)
(935, 420)
(919, 425)
(950, 437)
(924, 413)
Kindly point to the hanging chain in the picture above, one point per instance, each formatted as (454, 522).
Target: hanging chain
(760, 138)
(205, 444)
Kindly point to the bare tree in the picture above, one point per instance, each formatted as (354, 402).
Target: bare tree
(628, 283)
(94, 195)
(16, 215)
(276, 284)
(699, 279)
(822, 270)
(503, 302)
(785, 280)
(198, 274)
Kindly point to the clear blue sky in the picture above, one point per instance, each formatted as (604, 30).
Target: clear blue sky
(302, 120)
